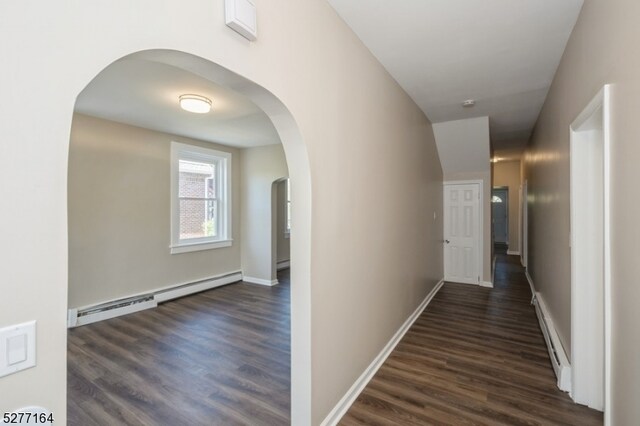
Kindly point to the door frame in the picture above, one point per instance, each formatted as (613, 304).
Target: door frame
(480, 254)
(506, 207)
(524, 224)
(581, 347)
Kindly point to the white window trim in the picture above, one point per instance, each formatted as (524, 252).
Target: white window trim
(224, 199)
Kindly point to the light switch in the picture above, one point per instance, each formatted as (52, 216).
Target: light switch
(17, 348)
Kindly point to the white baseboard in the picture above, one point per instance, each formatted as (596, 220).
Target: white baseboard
(259, 281)
(283, 264)
(115, 308)
(513, 252)
(348, 399)
(531, 286)
(182, 290)
(487, 284)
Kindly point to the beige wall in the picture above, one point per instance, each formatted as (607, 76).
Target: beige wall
(507, 173)
(119, 214)
(602, 49)
(260, 167)
(283, 243)
(487, 243)
(364, 141)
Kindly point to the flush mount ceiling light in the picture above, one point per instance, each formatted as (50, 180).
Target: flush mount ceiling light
(468, 103)
(195, 103)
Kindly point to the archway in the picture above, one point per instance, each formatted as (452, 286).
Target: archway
(296, 157)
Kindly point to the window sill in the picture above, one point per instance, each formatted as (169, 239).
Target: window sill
(186, 247)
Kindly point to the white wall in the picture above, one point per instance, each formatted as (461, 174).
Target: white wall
(344, 124)
(260, 167)
(463, 145)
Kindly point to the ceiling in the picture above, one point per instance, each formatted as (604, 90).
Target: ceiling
(501, 53)
(145, 93)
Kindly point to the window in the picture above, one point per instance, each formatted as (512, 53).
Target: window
(287, 219)
(200, 198)
(496, 199)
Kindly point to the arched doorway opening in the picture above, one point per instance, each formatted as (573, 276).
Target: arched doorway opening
(296, 158)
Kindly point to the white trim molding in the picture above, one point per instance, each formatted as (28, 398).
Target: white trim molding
(358, 386)
(590, 239)
(531, 286)
(493, 269)
(259, 281)
(182, 290)
(513, 252)
(283, 264)
(487, 284)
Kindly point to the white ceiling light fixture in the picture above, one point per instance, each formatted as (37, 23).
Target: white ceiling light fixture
(195, 103)
(468, 103)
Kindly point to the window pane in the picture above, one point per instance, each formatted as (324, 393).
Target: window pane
(198, 218)
(196, 179)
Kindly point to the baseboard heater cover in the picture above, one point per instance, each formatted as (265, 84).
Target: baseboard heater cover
(87, 315)
(559, 359)
(112, 309)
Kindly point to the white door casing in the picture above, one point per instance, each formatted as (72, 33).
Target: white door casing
(590, 257)
(462, 232)
(524, 241)
(500, 214)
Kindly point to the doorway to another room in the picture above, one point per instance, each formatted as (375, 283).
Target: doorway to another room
(500, 215)
(177, 311)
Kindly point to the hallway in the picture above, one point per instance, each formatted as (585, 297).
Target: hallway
(474, 356)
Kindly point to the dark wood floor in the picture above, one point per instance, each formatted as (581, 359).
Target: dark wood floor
(220, 357)
(475, 356)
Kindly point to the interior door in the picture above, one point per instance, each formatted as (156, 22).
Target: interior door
(462, 233)
(500, 214)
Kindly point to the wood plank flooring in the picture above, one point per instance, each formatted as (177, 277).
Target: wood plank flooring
(476, 356)
(221, 357)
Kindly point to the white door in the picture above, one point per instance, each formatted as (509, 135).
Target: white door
(500, 214)
(462, 233)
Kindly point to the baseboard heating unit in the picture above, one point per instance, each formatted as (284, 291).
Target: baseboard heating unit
(115, 308)
(559, 360)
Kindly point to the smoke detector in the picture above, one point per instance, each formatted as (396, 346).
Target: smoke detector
(468, 103)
